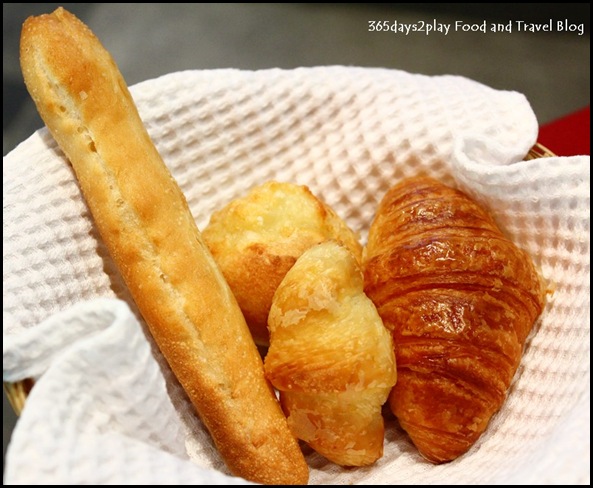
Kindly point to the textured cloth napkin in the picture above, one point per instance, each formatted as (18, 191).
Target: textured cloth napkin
(106, 408)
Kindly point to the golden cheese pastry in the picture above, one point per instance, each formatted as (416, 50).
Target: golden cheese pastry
(152, 237)
(330, 356)
(256, 239)
(460, 299)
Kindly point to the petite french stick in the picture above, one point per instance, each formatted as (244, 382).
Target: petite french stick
(147, 226)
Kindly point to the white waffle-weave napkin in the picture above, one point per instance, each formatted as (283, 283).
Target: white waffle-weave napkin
(106, 408)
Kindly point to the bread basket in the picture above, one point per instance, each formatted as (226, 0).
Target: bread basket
(17, 392)
(339, 130)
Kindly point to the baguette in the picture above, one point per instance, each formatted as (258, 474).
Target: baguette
(151, 235)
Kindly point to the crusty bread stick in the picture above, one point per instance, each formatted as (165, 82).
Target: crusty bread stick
(147, 226)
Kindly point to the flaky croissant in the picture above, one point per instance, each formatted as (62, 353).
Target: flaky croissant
(330, 356)
(460, 300)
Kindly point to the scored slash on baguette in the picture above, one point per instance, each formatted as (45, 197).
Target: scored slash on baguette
(147, 226)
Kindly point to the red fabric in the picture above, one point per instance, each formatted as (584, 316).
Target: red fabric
(569, 135)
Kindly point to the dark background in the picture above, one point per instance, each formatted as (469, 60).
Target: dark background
(147, 40)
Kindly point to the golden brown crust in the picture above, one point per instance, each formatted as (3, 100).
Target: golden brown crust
(147, 226)
(460, 300)
(257, 238)
(330, 356)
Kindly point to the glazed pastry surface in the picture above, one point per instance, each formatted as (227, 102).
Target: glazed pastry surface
(459, 299)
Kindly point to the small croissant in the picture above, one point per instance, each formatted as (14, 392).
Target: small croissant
(459, 299)
(330, 356)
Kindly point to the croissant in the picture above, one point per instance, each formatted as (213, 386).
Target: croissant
(330, 356)
(459, 299)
